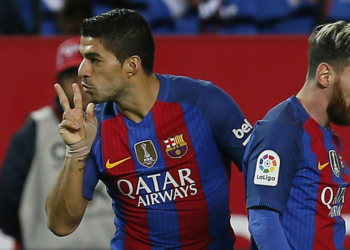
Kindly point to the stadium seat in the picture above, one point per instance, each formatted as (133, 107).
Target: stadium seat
(238, 17)
(338, 10)
(286, 17)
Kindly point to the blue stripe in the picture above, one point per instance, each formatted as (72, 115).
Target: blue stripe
(161, 222)
(213, 176)
(304, 221)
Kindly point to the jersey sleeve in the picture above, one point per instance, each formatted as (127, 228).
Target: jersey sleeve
(230, 127)
(270, 163)
(91, 172)
(91, 176)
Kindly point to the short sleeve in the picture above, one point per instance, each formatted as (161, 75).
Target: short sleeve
(271, 160)
(230, 127)
(91, 177)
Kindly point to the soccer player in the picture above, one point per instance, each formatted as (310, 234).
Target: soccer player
(162, 144)
(32, 163)
(294, 171)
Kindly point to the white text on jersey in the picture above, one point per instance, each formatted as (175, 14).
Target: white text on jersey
(240, 132)
(154, 194)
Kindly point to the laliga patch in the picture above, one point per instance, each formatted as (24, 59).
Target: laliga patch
(267, 168)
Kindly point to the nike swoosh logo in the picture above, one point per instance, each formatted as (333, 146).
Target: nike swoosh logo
(112, 165)
(320, 167)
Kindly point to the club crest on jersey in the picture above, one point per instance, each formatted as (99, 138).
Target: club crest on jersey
(334, 161)
(267, 168)
(146, 153)
(176, 147)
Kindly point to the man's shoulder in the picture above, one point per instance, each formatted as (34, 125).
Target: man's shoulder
(176, 81)
(189, 90)
(283, 120)
(287, 111)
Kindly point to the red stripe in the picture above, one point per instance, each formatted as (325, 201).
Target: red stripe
(114, 140)
(169, 121)
(324, 224)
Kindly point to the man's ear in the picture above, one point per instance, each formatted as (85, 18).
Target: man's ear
(133, 65)
(325, 75)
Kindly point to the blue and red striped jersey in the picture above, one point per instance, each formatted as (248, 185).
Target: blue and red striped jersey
(294, 166)
(169, 174)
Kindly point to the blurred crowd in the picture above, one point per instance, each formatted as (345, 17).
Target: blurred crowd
(52, 17)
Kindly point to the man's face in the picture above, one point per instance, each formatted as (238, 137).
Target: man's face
(338, 109)
(66, 82)
(102, 74)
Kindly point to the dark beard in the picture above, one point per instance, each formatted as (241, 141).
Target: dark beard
(337, 110)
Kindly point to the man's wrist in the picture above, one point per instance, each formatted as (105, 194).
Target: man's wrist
(78, 149)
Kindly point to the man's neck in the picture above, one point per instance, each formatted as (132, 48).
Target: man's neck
(143, 95)
(315, 102)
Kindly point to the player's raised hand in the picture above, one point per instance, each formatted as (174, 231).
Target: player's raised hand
(78, 130)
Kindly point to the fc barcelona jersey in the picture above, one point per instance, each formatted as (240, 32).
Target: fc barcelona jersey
(294, 166)
(169, 174)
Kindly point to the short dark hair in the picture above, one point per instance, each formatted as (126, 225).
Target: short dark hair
(125, 33)
(329, 43)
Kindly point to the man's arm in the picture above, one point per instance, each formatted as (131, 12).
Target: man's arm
(65, 204)
(266, 229)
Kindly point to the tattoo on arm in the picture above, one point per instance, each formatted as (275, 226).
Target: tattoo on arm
(82, 160)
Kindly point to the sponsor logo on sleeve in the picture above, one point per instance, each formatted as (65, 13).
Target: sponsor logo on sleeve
(241, 132)
(267, 168)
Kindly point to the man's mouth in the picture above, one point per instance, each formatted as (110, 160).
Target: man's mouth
(86, 87)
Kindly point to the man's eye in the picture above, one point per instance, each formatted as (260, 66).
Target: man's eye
(93, 60)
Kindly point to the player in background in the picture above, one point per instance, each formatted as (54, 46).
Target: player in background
(162, 144)
(32, 163)
(294, 171)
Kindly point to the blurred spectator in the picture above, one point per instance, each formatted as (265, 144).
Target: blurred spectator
(169, 16)
(228, 16)
(52, 17)
(286, 16)
(9, 14)
(72, 14)
(32, 163)
(63, 16)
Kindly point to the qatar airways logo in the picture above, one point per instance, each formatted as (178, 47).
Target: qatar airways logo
(333, 201)
(156, 193)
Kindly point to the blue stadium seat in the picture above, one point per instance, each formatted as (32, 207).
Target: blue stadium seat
(189, 23)
(270, 10)
(238, 17)
(25, 8)
(156, 14)
(49, 25)
(285, 17)
(101, 6)
(338, 10)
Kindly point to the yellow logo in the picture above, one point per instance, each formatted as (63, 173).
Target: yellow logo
(320, 167)
(112, 165)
